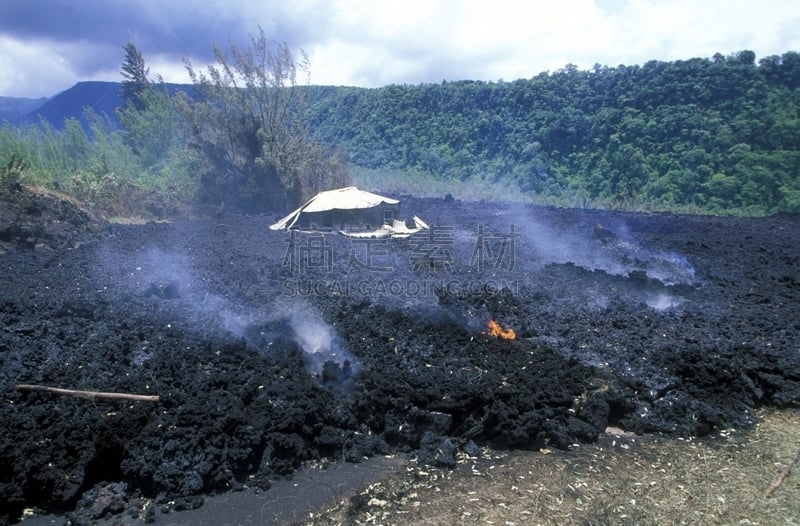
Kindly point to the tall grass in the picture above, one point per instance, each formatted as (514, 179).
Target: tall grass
(96, 165)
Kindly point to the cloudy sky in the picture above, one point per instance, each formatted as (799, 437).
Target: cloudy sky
(46, 46)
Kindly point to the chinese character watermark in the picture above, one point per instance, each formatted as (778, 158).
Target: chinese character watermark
(374, 261)
(313, 252)
(374, 252)
(433, 251)
(495, 250)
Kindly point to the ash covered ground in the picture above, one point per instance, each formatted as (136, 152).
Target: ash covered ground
(270, 351)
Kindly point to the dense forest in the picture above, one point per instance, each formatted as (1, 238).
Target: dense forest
(714, 135)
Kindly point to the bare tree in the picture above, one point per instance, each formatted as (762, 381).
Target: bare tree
(246, 120)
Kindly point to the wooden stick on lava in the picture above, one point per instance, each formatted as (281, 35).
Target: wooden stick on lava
(89, 394)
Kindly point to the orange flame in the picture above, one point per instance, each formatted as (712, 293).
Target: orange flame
(496, 330)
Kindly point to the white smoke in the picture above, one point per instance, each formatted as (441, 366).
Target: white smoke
(611, 249)
(171, 277)
(316, 338)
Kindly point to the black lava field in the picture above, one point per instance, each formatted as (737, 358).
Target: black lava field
(269, 351)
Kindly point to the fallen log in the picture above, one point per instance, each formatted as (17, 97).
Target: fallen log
(785, 473)
(88, 394)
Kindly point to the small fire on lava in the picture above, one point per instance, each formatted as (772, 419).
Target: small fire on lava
(497, 330)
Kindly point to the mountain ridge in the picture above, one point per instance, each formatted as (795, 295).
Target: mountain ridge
(103, 97)
(14, 108)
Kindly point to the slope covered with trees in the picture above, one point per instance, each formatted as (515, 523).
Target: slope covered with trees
(715, 135)
(710, 135)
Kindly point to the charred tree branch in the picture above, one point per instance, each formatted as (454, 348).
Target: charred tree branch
(784, 474)
(89, 394)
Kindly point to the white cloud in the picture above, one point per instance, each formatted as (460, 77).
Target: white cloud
(169, 70)
(413, 41)
(366, 43)
(33, 69)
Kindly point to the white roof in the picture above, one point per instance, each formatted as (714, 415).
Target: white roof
(349, 198)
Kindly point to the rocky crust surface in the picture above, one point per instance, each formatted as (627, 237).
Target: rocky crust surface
(270, 351)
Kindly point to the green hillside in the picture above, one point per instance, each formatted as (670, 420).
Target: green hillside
(714, 135)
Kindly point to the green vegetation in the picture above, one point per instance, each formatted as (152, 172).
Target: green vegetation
(11, 173)
(245, 121)
(713, 135)
(97, 166)
(716, 135)
(236, 140)
(134, 73)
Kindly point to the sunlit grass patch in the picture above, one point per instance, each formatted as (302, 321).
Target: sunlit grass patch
(620, 480)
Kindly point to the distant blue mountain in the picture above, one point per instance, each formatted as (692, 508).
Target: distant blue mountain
(102, 97)
(12, 109)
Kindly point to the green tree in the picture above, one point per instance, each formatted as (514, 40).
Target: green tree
(152, 127)
(134, 74)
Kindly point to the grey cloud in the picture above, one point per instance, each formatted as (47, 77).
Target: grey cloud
(365, 43)
(171, 28)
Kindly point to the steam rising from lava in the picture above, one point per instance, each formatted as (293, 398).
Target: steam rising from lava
(611, 248)
(170, 276)
(316, 338)
(320, 344)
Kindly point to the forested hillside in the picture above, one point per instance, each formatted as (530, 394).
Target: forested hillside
(716, 135)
